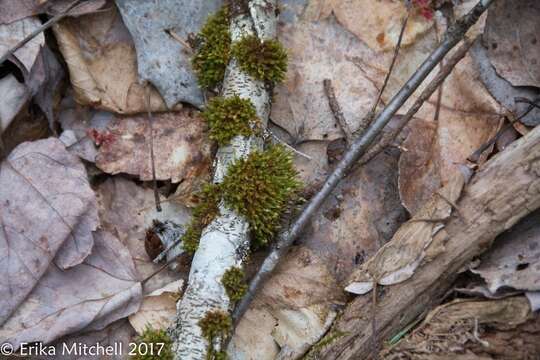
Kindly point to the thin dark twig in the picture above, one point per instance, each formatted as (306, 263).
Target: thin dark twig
(392, 64)
(152, 160)
(453, 36)
(40, 29)
(435, 84)
(336, 110)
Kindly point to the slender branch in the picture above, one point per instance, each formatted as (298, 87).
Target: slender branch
(455, 34)
(152, 160)
(435, 84)
(40, 29)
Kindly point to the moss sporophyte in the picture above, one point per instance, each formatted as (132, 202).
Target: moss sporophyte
(212, 54)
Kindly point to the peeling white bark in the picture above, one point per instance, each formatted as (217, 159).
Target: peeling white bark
(224, 243)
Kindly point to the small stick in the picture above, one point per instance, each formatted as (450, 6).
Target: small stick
(336, 110)
(154, 180)
(289, 146)
(40, 29)
(179, 39)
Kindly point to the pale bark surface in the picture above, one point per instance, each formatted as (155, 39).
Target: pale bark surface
(502, 192)
(224, 243)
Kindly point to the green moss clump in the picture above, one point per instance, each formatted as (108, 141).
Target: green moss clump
(264, 60)
(216, 324)
(204, 212)
(153, 340)
(229, 117)
(234, 281)
(260, 187)
(212, 55)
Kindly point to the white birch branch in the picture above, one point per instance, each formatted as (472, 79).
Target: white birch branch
(225, 241)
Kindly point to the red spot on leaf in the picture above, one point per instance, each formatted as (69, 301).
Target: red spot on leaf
(104, 137)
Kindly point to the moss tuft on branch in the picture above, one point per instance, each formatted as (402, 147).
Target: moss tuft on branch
(259, 187)
(264, 60)
(153, 339)
(234, 281)
(204, 212)
(229, 117)
(216, 324)
(212, 55)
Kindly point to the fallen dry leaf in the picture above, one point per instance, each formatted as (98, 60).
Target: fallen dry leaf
(102, 289)
(181, 147)
(127, 210)
(102, 64)
(514, 260)
(158, 309)
(48, 212)
(513, 40)
(162, 60)
(397, 260)
(16, 10)
(14, 96)
(13, 33)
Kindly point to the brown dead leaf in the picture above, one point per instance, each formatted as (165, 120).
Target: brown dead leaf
(102, 63)
(12, 34)
(127, 210)
(319, 51)
(158, 309)
(397, 260)
(468, 117)
(182, 149)
(102, 289)
(496, 329)
(513, 40)
(48, 212)
(380, 30)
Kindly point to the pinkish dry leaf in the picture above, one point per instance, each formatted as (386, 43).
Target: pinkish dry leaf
(181, 147)
(47, 211)
(90, 296)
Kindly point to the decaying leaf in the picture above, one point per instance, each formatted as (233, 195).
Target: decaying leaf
(514, 260)
(513, 40)
(496, 329)
(102, 289)
(14, 96)
(127, 209)
(181, 147)
(161, 59)
(12, 34)
(102, 63)
(158, 308)
(506, 94)
(48, 211)
(411, 245)
(16, 10)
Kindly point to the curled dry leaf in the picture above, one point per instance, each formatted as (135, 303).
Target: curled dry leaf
(158, 308)
(500, 329)
(162, 60)
(102, 64)
(102, 289)
(181, 147)
(16, 10)
(413, 243)
(512, 37)
(12, 34)
(48, 211)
